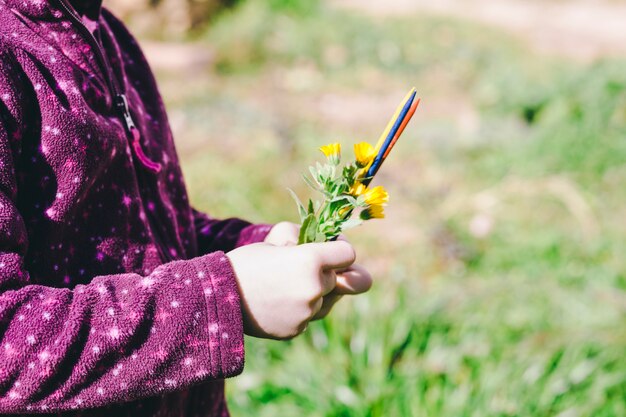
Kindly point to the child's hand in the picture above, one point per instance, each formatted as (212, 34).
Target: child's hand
(350, 281)
(283, 287)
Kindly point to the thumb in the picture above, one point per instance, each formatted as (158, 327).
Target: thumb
(354, 280)
(333, 255)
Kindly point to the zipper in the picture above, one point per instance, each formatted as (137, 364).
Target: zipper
(120, 103)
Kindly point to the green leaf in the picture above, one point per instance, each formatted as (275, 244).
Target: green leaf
(308, 230)
(320, 169)
(348, 173)
(311, 184)
(311, 209)
(317, 173)
(340, 198)
(320, 237)
(349, 224)
(337, 205)
(301, 210)
(333, 172)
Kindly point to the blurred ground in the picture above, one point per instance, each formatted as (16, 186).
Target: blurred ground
(582, 29)
(501, 276)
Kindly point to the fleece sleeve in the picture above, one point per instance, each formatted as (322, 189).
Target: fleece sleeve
(118, 338)
(226, 235)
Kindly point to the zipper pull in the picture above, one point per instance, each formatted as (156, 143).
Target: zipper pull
(121, 103)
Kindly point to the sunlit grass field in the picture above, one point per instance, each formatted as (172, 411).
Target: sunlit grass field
(501, 268)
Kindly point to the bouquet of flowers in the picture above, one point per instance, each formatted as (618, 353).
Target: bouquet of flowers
(347, 198)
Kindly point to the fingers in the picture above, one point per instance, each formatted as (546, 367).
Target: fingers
(317, 307)
(334, 255)
(354, 280)
(329, 281)
(283, 234)
(328, 302)
(351, 281)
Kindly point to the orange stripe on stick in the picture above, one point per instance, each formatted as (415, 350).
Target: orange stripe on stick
(406, 120)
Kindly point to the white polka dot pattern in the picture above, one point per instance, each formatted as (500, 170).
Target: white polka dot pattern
(116, 296)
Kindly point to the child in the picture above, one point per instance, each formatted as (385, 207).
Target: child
(117, 298)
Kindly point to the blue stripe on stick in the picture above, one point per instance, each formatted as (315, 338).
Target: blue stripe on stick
(379, 158)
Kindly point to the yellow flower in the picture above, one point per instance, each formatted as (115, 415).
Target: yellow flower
(375, 196)
(344, 210)
(375, 211)
(357, 189)
(332, 152)
(365, 153)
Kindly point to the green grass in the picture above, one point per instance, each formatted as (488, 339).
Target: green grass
(500, 271)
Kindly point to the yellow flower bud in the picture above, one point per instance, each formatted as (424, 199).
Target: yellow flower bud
(357, 189)
(364, 153)
(344, 211)
(332, 152)
(377, 195)
(375, 211)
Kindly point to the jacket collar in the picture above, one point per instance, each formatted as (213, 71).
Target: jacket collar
(87, 8)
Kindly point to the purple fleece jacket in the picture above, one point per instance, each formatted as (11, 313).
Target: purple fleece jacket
(116, 297)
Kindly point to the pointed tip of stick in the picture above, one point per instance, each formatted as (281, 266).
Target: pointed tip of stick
(403, 125)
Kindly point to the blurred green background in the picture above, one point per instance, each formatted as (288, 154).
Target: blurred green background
(501, 268)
